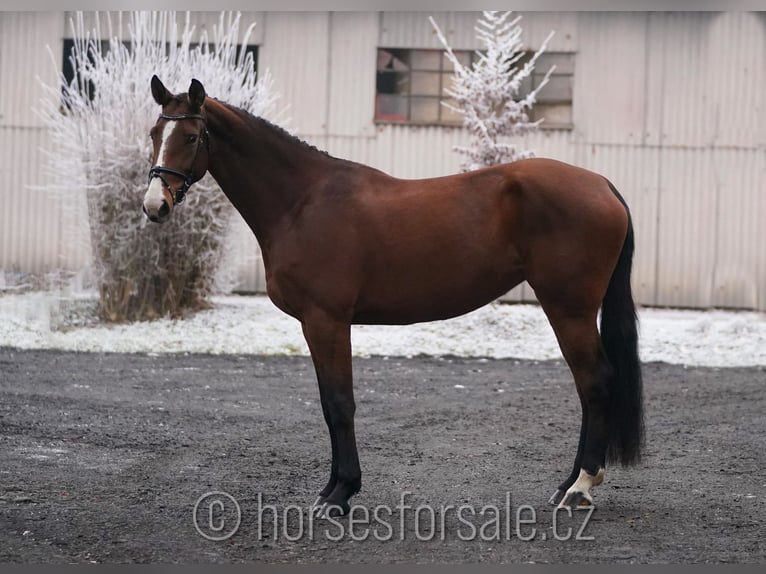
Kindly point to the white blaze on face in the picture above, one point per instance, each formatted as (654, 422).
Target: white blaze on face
(154, 195)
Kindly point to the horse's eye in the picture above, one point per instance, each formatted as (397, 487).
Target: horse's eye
(191, 139)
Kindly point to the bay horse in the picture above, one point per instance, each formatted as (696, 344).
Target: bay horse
(345, 244)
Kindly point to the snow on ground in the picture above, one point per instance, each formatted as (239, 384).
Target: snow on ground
(252, 325)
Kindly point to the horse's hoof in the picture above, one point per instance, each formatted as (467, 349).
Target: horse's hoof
(557, 497)
(328, 509)
(577, 500)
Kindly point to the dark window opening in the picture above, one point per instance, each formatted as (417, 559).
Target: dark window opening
(69, 72)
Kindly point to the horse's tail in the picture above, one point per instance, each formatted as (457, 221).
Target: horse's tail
(619, 337)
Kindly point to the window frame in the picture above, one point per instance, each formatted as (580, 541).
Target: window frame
(447, 71)
(538, 74)
(444, 71)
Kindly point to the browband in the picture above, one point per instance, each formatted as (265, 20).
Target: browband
(183, 117)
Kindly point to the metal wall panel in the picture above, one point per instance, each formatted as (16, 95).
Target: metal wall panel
(610, 92)
(296, 51)
(353, 52)
(737, 69)
(754, 243)
(202, 21)
(34, 224)
(655, 79)
(413, 30)
(19, 235)
(537, 25)
(25, 61)
(688, 109)
(39, 231)
(740, 234)
(686, 234)
(678, 79)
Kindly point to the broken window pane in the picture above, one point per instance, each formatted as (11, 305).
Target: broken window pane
(393, 83)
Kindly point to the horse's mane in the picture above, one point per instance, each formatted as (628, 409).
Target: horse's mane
(250, 119)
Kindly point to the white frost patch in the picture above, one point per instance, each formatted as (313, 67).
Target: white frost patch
(252, 325)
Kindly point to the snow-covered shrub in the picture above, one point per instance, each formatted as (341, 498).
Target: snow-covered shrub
(488, 93)
(100, 125)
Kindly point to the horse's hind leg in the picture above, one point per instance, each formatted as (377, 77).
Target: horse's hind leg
(558, 496)
(581, 346)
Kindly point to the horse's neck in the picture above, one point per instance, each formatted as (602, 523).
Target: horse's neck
(263, 173)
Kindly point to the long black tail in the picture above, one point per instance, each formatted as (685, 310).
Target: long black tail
(619, 336)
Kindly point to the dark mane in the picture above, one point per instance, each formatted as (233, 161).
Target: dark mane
(278, 131)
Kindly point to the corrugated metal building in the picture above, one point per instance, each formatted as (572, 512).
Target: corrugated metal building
(669, 106)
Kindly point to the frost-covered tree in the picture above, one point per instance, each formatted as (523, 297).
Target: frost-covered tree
(488, 94)
(99, 123)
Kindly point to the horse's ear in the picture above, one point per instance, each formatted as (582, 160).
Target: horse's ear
(161, 94)
(196, 94)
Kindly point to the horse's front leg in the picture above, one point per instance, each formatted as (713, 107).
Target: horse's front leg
(329, 341)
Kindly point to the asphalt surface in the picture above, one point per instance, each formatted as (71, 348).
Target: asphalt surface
(103, 457)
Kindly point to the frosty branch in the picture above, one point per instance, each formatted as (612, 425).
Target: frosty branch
(99, 123)
(488, 94)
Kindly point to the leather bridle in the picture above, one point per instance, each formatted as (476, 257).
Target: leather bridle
(188, 177)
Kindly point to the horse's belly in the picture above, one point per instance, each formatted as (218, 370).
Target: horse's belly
(399, 302)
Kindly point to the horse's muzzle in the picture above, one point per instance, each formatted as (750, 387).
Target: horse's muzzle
(157, 215)
(157, 206)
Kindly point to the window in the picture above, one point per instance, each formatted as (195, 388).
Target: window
(411, 84)
(68, 69)
(554, 101)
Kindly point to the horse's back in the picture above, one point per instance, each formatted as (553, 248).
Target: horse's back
(400, 251)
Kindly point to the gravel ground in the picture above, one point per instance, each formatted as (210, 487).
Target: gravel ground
(103, 456)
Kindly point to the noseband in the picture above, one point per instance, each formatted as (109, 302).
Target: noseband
(157, 170)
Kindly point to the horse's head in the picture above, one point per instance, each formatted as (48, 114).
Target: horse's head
(180, 153)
